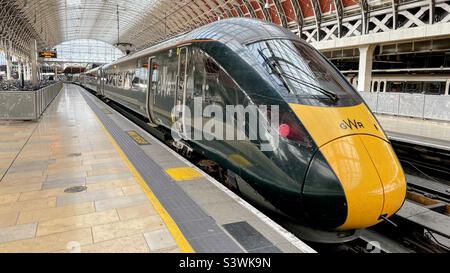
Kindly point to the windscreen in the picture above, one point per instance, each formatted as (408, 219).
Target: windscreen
(303, 74)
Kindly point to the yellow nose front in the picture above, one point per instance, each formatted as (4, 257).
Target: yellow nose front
(390, 172)
(358, 151)
(371, 177)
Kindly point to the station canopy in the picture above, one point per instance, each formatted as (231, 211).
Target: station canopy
(144, 22)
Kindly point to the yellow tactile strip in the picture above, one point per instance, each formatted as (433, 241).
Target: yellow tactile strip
(36, 215)
(181, 241)
(183, 174)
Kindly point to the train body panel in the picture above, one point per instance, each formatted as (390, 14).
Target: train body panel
(333, 167)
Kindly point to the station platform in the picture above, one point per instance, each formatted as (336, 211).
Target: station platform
(417, 131)
(85, 179)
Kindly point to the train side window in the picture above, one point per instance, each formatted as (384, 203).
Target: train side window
(135, 81)
(139, 78)
(127, 80)
(143, 76)
(211, 67)
(155, 71)
(381, 87)
(119, 80)
(375, 86)
(113, 79)
(216, 86)
(198, 73)
(154, 76)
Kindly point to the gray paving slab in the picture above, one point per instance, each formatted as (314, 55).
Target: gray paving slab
(64, 183)
(159, 240)
(107, 178)
(15, 169)
(120, 202)
(16, 233)
(83, 197)
(101, 166)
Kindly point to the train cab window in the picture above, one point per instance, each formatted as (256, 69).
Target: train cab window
(302, 74)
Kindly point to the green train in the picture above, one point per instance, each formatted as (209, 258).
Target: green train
(333, 168)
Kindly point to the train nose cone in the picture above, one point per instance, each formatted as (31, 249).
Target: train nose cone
(352, 182)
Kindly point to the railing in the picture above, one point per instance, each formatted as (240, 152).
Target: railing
(27, 105)
(409, 105)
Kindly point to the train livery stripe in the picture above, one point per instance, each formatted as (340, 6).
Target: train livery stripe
(326, 124)
(178, 236)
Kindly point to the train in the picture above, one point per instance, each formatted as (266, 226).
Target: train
(333, 170)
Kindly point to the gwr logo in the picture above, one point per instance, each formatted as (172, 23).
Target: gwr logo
(351, 124)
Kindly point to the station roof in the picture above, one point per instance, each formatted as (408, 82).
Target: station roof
(145, 22)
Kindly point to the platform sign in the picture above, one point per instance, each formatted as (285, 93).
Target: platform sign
(47, 54)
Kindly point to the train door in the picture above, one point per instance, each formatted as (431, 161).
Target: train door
(151, 89)
(180, 97)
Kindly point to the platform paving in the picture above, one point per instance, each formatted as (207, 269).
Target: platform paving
(67, 148)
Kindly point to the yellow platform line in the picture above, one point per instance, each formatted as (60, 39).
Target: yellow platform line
(178, 236)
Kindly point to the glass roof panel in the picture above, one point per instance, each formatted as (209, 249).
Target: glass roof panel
(86, 51)
(140, 22)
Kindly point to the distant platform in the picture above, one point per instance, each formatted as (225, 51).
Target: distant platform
(417, 131)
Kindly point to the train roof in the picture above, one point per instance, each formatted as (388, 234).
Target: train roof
(93, 70)
(234, 30)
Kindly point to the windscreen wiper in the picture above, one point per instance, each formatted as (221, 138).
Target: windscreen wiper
(327, 93)
(275, 69)
(278, 60)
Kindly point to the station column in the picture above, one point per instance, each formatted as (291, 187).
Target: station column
(25, 70)
(365, 67)
(20, 69)
(28, 70)
(34, 64)
(8, 65)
